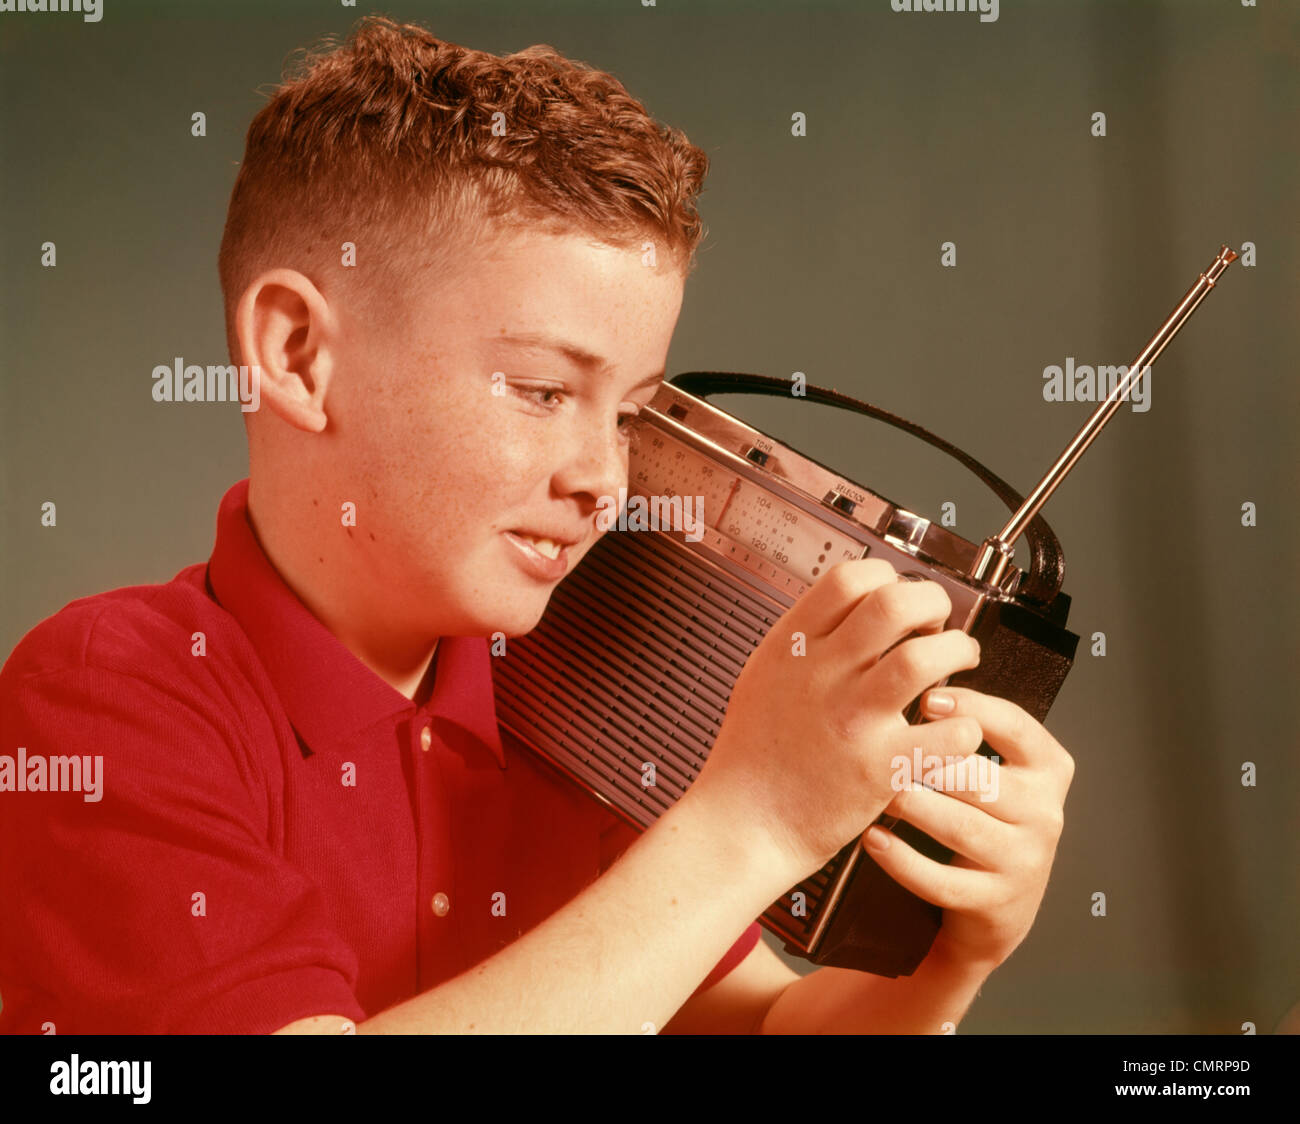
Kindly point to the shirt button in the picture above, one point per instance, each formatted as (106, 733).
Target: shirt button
(426, 739)
(441, 904)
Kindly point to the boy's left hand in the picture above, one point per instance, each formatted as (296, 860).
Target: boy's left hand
(991, 891)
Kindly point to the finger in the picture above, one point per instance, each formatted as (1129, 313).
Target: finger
(1015, 735)
(927, 748)
(1007, 794)
(889, 615)
(837, 593)
(949, 887)
(930, 746)
(964, 828)
(919, 662)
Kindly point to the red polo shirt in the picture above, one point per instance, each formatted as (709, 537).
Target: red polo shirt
(279, 833)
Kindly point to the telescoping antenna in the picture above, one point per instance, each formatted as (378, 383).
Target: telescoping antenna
(995, 554)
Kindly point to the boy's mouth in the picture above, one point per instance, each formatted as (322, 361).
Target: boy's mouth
(544, 559)
(548, 547)
(552, 541)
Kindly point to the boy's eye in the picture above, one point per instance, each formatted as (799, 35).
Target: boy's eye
(549, 397)
(539, 394)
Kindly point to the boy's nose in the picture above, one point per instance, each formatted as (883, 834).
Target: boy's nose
(599, 469)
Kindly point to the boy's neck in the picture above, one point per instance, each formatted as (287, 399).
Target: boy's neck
(405, 663)
(425, 689)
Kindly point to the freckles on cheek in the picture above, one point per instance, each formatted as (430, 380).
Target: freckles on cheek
(503, 451)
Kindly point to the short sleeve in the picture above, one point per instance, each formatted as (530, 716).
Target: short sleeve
(157, 904)
(734, 955)
(616, 839)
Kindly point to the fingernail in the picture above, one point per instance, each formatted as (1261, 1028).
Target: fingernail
(936, 702)
(877, 839)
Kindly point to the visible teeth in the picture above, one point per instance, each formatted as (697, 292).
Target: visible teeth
(544, 546)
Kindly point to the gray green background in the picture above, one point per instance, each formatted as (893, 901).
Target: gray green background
(822, 257)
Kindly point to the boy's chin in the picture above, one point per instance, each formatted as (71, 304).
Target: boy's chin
(516, 624)
(513, 619)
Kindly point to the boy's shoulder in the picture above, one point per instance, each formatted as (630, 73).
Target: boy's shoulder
(114, 627)
(172, 635)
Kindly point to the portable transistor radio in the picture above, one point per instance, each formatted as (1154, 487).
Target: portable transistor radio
(635, 658)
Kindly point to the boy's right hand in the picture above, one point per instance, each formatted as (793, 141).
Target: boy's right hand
(802, 763)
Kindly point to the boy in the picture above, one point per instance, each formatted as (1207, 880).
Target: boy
(458, 277)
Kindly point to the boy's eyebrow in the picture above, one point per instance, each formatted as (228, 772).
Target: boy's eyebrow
(572, 351)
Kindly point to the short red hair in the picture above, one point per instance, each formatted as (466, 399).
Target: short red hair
(392, 141)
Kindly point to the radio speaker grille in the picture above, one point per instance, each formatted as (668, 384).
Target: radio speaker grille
(632, 666)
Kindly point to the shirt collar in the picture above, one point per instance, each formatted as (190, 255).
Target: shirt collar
(327, 692)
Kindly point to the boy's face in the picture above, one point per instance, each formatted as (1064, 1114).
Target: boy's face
(442, 469)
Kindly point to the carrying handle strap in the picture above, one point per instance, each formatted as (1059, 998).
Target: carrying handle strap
(1047, 563)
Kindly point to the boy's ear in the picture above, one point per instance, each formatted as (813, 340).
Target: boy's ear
(287, 330)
